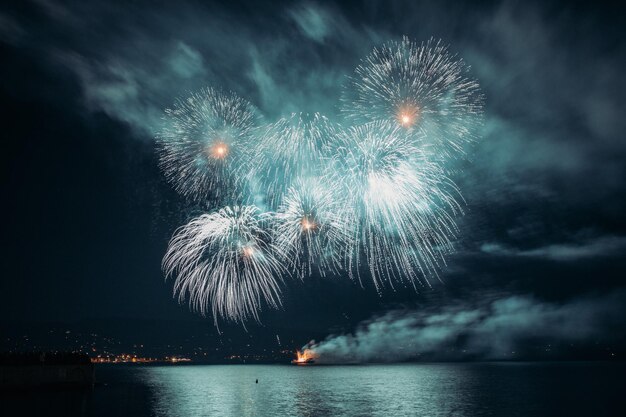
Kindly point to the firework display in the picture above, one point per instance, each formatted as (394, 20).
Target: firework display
(309, 229)
(205, 144)
(421, 88)
(370, 196)
(224, 260)
(401, 203)
(293, 147)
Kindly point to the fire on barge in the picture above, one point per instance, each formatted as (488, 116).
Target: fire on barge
(305, 357)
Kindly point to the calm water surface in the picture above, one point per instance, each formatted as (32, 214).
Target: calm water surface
(484, 389)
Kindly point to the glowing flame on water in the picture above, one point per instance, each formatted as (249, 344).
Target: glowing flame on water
(304, 357)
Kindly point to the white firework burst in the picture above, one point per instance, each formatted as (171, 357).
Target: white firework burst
(205, 141)
(224, 263)
(309, 231)
(293, 147)
(422, 88)
(399, 203)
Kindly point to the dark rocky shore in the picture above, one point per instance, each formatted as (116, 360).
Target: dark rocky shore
(45, 370)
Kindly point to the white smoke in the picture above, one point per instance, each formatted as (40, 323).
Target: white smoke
(508, 328)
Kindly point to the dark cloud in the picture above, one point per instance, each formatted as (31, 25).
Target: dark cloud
(605, 246)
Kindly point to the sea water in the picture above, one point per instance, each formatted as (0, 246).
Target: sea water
(452, 389)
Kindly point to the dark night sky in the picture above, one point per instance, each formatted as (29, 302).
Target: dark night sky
(87, 214)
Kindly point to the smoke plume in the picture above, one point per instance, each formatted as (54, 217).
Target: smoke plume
(516, 327)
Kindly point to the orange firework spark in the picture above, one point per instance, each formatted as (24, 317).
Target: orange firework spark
(308, 224)
(218, 150)
(408, 115)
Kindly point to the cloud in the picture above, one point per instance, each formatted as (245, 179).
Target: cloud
(591, 248)
(185, 61)
(11, 31)
(325, 24)
(514, 327)
(313, 21)
(135, 71)
(118, 90)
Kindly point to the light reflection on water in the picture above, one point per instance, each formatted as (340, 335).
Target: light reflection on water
(385, 390)
(478, 389)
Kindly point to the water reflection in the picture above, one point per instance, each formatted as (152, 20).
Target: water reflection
(528, 389)
(385, 390)
(395, 390)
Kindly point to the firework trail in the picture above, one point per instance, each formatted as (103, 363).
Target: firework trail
(399, 203)
(291, 148)
(224, 261)
(309, 231)
(421, 88)
(205, 142)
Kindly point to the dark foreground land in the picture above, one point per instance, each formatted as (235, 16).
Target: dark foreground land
(45, 370)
